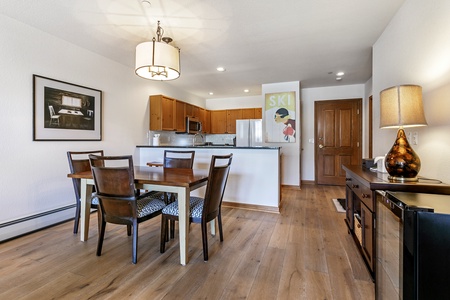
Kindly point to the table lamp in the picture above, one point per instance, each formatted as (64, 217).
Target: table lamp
(401, 106)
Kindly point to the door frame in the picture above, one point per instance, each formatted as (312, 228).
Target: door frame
(316, 140)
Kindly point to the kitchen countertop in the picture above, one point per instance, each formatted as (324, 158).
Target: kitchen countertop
(225, 146)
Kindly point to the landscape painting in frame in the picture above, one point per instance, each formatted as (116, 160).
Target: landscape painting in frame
(280, 112)
(65, 112)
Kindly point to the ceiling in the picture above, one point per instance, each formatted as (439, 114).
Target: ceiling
(257, 41)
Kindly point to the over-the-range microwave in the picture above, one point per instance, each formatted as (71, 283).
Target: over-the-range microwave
(193, 125)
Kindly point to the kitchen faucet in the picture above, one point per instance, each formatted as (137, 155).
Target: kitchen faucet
(195, 136)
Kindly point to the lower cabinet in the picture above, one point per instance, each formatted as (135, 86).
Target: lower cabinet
(360, 218)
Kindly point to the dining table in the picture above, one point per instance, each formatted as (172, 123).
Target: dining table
(172, 180)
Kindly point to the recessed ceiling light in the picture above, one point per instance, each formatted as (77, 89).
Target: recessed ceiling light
(246, 91)
(220, 69)
(340, 74)
(211, 93)
(338, 78)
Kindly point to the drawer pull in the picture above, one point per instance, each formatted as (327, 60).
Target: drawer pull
(366, 196)
(348, 179)
(355, 186)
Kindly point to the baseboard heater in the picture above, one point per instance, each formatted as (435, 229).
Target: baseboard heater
(15, 228)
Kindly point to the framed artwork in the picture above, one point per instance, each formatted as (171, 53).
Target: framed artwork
(65, 112)
(280, 112)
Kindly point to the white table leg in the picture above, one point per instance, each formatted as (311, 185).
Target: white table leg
(183, 222)
(86, 192)
(212, 225)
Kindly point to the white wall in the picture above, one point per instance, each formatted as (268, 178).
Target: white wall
(290, 163)
(308, 97)
(34, 172)
(414, 49)
(234, 103)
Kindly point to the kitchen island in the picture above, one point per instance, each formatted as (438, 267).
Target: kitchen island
(254, 180)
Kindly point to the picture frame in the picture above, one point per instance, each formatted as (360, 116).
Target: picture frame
(279, 113)
(64, 111)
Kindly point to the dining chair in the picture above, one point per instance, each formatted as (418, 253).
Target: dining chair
(53, 116)
(176, 159)
(79, 162)
(203, 210)
(118, 198)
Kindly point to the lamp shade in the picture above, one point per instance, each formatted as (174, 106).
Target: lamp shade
(401, 106)
(157, 60)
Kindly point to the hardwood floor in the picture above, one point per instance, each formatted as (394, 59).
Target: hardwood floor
(302, 253)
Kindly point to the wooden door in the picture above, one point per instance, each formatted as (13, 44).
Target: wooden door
(337, 139)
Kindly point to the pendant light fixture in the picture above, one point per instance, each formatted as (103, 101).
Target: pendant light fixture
(157, 60)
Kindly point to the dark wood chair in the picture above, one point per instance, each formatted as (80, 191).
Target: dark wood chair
(175, 159)
(79, 162)
(203, 210)
(118, 198)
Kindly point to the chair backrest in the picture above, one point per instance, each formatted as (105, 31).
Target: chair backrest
(178, 159)
(52, 111)
(114, 183)
(79, 162)
(217, 181)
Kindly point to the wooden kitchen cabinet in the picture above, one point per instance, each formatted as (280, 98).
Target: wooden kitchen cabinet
(205, 118)
(252, 113)
(192, 111)
(180, 116)
(162, 113)
(218, 121)
(258, 113)
(248, 113)
(232, 116)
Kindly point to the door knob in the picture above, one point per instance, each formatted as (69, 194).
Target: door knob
(320, 146)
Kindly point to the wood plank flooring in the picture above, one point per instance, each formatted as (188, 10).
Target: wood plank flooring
(302, 253)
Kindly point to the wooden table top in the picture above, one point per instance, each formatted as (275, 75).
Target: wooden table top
(160, 176)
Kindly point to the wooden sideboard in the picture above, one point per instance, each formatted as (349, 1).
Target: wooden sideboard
(361, 187)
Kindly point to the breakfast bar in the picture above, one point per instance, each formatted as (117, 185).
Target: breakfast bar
(254, 181)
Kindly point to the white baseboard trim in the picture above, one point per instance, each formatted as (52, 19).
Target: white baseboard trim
(22, 226)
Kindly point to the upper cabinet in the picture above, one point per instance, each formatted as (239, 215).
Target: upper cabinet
(205, 118)
(180, 119)
(258, 113)
(192, 111)
(162, 113)
(168, 114)
(252, 113)
(218, 121)
(232, 116)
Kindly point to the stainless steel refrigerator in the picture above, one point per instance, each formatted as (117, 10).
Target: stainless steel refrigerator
(249, 133)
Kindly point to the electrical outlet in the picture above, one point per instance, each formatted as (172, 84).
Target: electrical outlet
(415, 138)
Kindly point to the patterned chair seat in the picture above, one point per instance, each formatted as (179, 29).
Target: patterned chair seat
(195, 208)
(148, 205)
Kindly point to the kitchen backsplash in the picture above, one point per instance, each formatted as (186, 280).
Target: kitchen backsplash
(174, 139)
